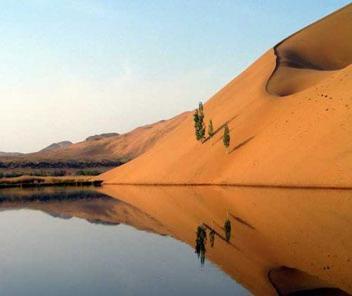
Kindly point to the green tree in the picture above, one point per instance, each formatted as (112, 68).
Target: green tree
(210, 128)
(201, 121)
(196, 124)
(200, 107)
(226, 138)
(199, 126)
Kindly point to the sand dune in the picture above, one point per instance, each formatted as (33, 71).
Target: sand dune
(289, 115)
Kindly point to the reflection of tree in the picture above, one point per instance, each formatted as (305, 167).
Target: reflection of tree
(212, 237)
(201, 238)
(227, 227)
(202, 254)
(200, 243)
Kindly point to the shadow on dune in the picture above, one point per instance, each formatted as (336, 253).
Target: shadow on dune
(242, 144)
(220, 128)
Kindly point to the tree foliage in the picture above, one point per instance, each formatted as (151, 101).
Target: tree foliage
(199, 126)
(196, 123)
(226, 137)
(210, 128)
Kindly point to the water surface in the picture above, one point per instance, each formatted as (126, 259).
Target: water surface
(141, 240)
(74, 242)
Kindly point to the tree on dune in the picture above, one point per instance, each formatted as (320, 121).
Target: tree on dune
(199, 126)
(210, 128)
(201, 122)
(196, 124)
(226, 138)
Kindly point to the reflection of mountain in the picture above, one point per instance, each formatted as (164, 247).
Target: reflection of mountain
(274, 246)
(89, 205)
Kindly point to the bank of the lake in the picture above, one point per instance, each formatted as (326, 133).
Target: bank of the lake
(30, 181)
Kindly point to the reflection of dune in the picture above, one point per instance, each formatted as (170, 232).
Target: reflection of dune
(302, 140)
(306, 231)
(290, 281)
(271, 228)
(313, 54)
(92, 206)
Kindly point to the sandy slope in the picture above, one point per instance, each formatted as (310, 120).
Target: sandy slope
(289, 114)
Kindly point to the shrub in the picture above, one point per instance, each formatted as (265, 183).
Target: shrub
(88, 173)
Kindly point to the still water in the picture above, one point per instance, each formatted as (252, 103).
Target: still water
(141, 240)
(46, 250)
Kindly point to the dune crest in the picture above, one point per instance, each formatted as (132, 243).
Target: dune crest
(301, 141)
(312, 54)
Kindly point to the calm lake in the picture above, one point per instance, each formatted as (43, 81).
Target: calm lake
(146, 240)
(96, 246)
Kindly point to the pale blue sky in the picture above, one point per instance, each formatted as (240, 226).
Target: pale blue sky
(70, 69)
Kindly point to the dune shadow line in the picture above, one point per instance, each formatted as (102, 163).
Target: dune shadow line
(242, 144)
(219, 129)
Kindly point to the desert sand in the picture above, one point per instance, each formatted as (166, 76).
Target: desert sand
(290, 118)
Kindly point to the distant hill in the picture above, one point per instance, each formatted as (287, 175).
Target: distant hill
(99, 152)
(56, 146)
(10, 154)
(102, 136)
(111, 146)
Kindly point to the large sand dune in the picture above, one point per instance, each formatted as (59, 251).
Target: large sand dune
(289, 115)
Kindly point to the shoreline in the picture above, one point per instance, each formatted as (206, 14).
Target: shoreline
(297, 187)
(35, 182)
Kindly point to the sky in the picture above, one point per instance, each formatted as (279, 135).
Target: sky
(74, 68)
